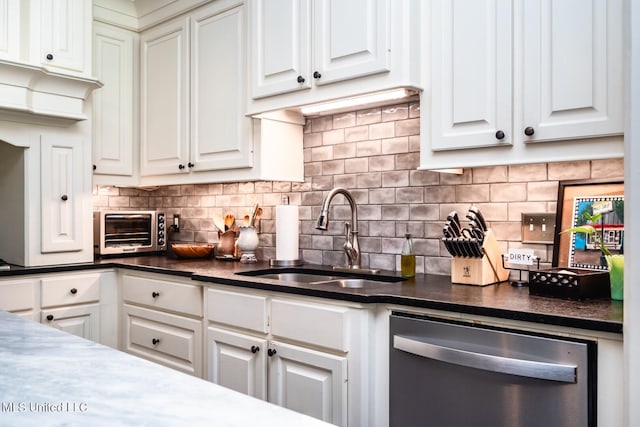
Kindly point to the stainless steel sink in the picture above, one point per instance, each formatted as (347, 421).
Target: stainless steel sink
(321, 277)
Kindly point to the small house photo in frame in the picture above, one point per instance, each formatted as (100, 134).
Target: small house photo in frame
(576, 199)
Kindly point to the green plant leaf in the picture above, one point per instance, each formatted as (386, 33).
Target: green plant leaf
(589, 229)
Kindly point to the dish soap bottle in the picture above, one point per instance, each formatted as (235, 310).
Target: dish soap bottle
(407, 258)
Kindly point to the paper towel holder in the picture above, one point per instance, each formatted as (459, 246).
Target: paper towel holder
(285, 262)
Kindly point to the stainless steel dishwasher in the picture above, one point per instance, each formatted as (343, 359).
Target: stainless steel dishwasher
(457, 374)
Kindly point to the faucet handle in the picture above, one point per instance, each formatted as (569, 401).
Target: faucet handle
(347, 231)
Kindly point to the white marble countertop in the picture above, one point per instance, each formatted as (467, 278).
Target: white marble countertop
(51, 378)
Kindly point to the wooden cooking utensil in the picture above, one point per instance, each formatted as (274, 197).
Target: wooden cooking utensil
(256, 218)
(229, 219)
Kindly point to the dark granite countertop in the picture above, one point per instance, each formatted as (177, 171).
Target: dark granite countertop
(425, 290)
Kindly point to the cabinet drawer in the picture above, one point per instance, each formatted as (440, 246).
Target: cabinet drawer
(17, 295)
(239, 310)
(168, 339)
(172, 296)
(67, 290)
(320, 325)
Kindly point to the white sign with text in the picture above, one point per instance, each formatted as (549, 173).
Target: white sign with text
(521, 256)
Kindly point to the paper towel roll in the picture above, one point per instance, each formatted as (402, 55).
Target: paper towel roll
(287, 225)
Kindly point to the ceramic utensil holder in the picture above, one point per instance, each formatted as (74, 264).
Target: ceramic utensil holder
(480, 271)
(248, 242)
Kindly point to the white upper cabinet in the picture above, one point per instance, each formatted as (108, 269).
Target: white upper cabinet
(471, 73)
(193, 94)
(54, 34)
(164, 98)
(193, 122)
(507, 74)
(220, 132)
(305, 51)
(60, 32)
(9, 29)
(350, 39)
(571, 69)
(115, 54)
(280, 40)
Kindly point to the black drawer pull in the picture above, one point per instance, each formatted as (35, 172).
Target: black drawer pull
(271, 352)
(155, 341)
(255, 349)
(155, 294)
(49, 317)
(73, 291)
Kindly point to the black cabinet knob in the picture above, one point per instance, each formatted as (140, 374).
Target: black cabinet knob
(73, 291)
(300, 79)
(95, 167)
(528, 131)
(49, 57)
(271, 352)
(64, 198)
(190, 164)
(155, 341)
(155, 294)
(49, 317)
(499, 134)
(180, 166)
(317, 75)
(255, 349)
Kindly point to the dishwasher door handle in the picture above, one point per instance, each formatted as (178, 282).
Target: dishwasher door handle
(487, 362)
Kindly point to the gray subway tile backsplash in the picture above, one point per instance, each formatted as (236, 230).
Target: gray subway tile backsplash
(374, 153)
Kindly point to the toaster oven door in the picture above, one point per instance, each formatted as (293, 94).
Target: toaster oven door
(128, 232)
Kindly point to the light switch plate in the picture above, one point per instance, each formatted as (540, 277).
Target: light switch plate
(538, 228)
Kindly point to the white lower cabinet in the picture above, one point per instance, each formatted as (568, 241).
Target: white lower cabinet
(80, 303)
(309, 381)
(161, 321)
(165, 338)
(18, 296)
(237, 361)
(292, 352)
(70, 302)
(81, 320)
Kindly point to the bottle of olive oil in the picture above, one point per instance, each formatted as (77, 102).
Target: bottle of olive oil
(407, 258)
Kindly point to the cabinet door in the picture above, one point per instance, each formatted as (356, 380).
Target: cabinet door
(113, 103)
(10, 29)
(164, 98)
(221, 135)
(61, 186)
(572, 67)
(308, 381)
(471, 74)
(82, 320)
(280, 46)
(237, 361)
(61, 33)
(351, 39)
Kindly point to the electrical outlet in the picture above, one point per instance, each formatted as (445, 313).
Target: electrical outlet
(538, 228)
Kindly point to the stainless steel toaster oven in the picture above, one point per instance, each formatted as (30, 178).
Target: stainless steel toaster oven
(125, 232)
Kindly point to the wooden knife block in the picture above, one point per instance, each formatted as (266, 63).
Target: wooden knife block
(480, 271)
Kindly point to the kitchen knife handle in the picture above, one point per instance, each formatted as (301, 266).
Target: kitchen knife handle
(479, 218)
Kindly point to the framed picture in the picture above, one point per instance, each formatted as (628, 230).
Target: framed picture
(575, 198)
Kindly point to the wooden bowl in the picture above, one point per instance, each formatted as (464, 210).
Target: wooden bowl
(193, 250)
